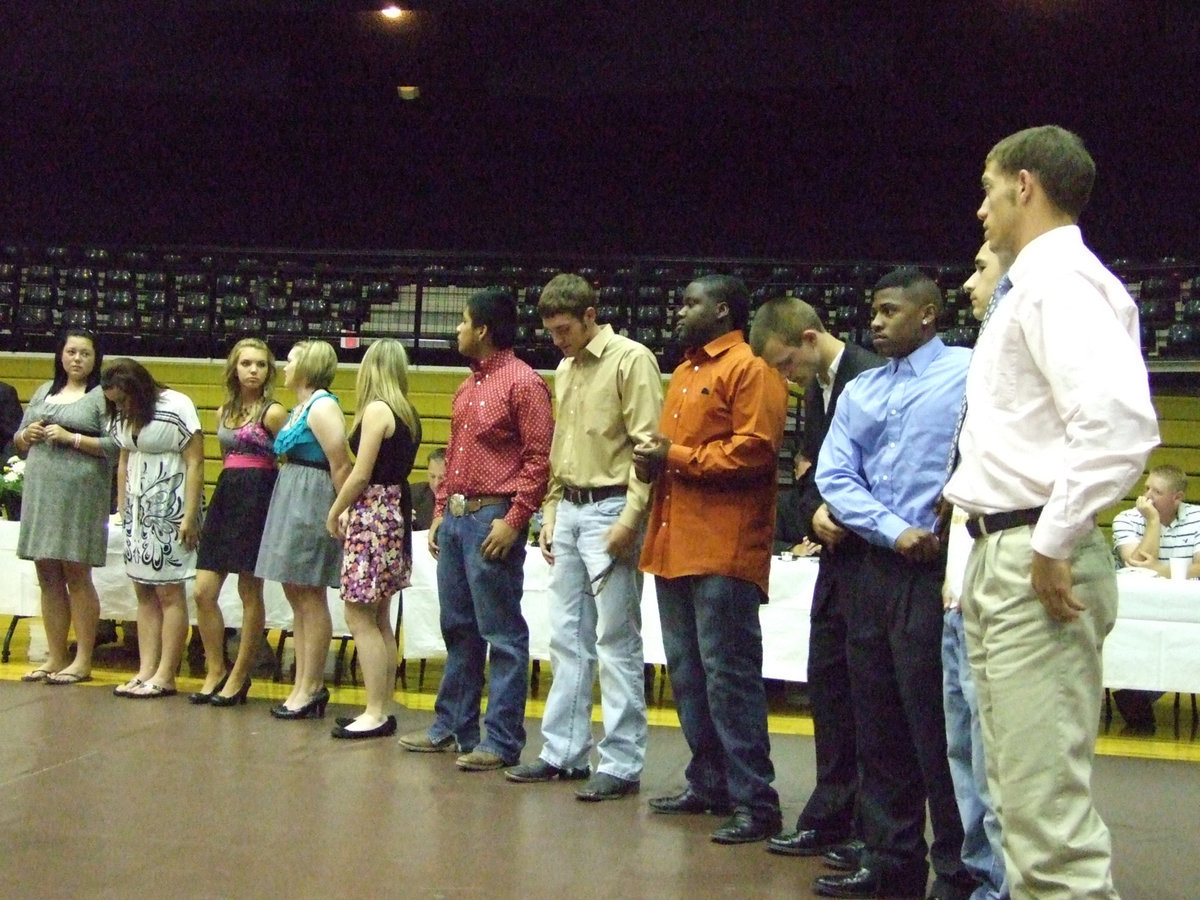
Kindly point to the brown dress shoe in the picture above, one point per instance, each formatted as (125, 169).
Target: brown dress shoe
(420, 742)
(481, 761)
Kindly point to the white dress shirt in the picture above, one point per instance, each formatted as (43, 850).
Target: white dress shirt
(827, 383)
(1058, 399)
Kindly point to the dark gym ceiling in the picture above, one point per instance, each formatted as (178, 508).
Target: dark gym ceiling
(810, 129)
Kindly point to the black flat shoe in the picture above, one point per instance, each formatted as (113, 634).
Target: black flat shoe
(218, 699)
(201, 697)
(386, 728)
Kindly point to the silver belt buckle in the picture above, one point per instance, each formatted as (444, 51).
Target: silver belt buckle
(458, 505)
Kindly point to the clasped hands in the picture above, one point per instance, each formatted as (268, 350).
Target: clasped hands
(650, 458)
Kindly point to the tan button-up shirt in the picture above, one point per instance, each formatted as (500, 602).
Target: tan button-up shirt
(609, 401)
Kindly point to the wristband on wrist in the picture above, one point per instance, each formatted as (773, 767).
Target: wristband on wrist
(78, 438)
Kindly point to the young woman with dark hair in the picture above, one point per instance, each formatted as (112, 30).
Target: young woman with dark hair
(65, 502)
(160, 482)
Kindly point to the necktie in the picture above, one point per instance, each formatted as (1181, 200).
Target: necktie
(1003, 286)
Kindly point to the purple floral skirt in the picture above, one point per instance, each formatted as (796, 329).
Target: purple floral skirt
(374, 562)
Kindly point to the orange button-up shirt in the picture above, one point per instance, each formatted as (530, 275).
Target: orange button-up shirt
(714, 504)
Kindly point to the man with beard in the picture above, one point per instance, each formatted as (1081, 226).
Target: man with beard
(708, 544)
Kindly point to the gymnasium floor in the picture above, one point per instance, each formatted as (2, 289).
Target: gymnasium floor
(118, 798)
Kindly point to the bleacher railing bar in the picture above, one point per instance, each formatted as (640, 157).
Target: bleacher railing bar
(195, 301)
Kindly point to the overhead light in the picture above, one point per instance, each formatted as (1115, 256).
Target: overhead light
(391, 12)
(408, 91)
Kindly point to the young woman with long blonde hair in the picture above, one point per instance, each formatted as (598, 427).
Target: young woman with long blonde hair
(296, 550)
(247, 423)
(372, 515)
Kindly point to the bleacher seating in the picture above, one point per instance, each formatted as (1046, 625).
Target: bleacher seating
(196, 302)
(193, 302)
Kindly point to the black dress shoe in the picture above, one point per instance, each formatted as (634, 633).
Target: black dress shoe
(313, 709)
(603, 786)
(871, 883)
(201, 697)
(805, 842)
(958, 887)
(743, 827)
(690, 803)
(846, 856)
(219, 699)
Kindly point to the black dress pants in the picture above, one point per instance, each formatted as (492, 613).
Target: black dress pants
(894, 634)
(833, 805)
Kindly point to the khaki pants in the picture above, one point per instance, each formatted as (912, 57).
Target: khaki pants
(1039, 686)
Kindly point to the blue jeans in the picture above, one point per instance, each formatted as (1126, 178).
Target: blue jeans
(480, 602)
(586, 628)
(713, 639)
(981, 850)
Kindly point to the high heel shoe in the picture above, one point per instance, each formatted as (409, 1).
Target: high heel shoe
(206, 696)
(218, 699)
(313, 709)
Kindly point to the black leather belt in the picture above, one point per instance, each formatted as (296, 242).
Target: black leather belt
(580, 496)
(981, 526)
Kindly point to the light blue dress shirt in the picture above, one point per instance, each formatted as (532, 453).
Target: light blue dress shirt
(883, 463)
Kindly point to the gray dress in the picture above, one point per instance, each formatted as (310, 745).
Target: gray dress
(296, 548)
(65, 501)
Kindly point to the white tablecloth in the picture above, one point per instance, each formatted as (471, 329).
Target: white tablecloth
(784, 619)
(1154, 646)
(19, 595)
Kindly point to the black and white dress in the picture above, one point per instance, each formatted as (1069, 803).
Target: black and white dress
(154, 486)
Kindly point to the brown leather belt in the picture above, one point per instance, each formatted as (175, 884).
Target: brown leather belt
(981, 526)
(581, 496)
(464, 506)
